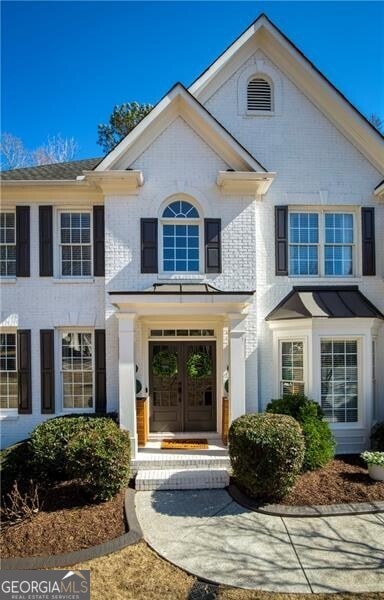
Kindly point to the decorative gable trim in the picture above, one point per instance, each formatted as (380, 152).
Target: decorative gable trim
(179, 102)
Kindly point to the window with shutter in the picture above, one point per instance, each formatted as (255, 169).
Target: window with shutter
(259, 95)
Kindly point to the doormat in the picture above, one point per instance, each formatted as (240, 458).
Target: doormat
(187, 444)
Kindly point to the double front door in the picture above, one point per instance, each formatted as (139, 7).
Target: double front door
(183, 389)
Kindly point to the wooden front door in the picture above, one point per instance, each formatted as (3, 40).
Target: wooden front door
(182, 402)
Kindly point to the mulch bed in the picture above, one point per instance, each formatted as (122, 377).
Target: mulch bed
(344, 479)
(67, 522)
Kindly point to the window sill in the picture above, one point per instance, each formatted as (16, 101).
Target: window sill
(8, 280)
(73, 280)
(10, 416)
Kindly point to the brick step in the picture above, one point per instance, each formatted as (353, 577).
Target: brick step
(181, 479)
(179, 461)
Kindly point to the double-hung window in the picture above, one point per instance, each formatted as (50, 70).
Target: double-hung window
(291, 367)
(181, 237)
(339, 380)
(75, 244)
(7, 244)
(321, 243)
(8, 371)
(77, 369)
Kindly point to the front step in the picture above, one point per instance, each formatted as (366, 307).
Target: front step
(163, 461)
(181, 479)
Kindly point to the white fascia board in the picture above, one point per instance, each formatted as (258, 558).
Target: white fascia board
(245, 182)
(180, 103)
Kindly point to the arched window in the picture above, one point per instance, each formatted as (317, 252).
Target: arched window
(259, 95)
(181, 241)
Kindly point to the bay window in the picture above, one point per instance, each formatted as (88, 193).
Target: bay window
(291, 367)
(339, 380)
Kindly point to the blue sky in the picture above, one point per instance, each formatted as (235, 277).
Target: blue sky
(66, 64)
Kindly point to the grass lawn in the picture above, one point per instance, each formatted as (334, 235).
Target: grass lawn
(137, 573)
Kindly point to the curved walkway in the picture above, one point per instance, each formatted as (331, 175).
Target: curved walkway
(209, 535)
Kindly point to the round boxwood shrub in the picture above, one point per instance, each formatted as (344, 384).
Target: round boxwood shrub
(266, 452)
(100, 456)
(377, 437)
(319, 441)
(49, 440)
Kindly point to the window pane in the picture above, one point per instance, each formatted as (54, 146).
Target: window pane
(339, 383)
(181, 248)
(76, 240)
(180, 210)
(77, 370)
(292, 371)
(8, 371)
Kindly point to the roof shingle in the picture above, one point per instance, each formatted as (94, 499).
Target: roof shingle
(65, 170)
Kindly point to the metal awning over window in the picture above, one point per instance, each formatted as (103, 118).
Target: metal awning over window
(306, 302)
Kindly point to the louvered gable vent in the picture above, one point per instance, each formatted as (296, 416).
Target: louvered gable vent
(259, 94)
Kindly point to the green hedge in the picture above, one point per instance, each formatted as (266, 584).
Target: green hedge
(319, 441)
(266, 452)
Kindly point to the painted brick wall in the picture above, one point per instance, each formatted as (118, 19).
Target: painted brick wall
(41, 303)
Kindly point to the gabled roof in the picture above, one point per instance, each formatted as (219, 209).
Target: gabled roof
(180, 102)
(264, 34)
(65, 171)
(342, 302)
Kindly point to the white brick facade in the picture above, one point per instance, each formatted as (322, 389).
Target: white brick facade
(316, 165)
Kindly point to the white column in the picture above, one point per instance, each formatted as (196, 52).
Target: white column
(127, 376)
(236, 365)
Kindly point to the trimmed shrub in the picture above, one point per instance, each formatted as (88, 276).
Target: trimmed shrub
(319, 441)
(377, 437)
(100, 456)
(266, 452)
(15, 465)
(49, 440)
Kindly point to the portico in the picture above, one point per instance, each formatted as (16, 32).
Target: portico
(192, 317)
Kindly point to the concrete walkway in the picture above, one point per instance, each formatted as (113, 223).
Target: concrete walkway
(208, 534)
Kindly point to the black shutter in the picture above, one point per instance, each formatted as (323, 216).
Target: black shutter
(47, 363)
(212, 244)
(24, 368)
(98, 241)
(368, 240)
(100, 377)
(149, 261)
(46, 241)
(281, 240)
(22, 241)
